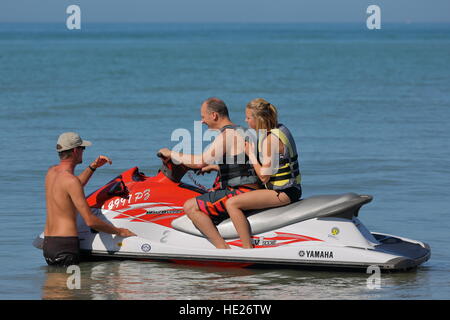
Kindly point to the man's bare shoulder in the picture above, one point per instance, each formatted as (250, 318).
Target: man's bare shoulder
(51, 173)
(239, 132)
(63, 176)
(230, 135)
(70, 179)
(52, 169)
(70, 183)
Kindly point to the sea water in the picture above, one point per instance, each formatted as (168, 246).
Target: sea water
(369, 110)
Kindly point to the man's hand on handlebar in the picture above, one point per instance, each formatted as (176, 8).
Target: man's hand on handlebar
(165, 153)
(166, 156)
(208, 169)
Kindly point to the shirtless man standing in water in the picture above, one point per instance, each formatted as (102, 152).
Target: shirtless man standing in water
(64, 197)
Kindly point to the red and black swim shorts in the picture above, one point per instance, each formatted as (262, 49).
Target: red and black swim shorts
(213, 203)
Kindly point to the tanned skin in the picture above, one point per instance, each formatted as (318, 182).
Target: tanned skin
(65, 197)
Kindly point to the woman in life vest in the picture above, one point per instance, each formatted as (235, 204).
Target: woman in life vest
(275, 160)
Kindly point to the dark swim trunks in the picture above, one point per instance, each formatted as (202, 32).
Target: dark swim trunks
(61, 251)
(294, 193)
(213, 203)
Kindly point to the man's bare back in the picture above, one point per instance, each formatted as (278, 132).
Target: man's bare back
(61, 212)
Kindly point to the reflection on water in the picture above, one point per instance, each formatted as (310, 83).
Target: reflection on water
(132, 280)
(55, 286)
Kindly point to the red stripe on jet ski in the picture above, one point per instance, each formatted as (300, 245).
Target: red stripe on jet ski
(291, 235)
(135, 212)
(165, 219)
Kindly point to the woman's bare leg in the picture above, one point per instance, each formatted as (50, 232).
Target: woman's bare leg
(258, 199)
(240, 222)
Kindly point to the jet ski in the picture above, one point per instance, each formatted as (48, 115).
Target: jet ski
(322, 231)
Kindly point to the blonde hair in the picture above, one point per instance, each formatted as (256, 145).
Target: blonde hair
(265, 113)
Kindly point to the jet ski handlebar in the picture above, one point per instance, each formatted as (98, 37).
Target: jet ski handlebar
(174, 172)
(160, 155)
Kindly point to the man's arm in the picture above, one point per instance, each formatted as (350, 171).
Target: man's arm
(76, 193)
(87, 173)
(213, 152)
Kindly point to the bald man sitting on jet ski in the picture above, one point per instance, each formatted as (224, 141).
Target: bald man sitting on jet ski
(235, 173)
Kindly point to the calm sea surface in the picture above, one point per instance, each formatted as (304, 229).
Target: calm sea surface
(369, 110)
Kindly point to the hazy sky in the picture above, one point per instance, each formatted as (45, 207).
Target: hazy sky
(263, 11)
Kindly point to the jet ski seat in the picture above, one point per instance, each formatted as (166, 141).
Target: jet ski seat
(344, 206)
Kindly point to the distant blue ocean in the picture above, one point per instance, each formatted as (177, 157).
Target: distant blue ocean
(369, 110)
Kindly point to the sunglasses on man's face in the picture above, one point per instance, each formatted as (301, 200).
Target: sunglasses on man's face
(82, 148)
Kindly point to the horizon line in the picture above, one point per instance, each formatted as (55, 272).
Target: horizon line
(231, 22)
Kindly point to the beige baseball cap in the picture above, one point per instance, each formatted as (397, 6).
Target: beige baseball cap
(70, 140)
